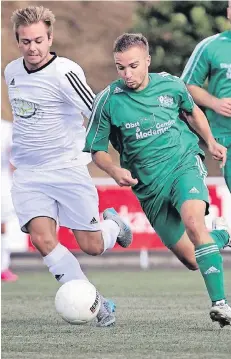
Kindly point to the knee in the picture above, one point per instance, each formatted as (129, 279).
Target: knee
(194, 227)
(45, 243)
(39, 238)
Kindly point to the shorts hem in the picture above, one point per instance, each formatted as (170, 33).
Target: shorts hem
(178, 207)
(24, 227)
(83, 230)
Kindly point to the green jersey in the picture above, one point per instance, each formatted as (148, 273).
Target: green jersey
(145, 128)
(212, 59)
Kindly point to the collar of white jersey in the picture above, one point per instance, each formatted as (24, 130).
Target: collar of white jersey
(42, 67)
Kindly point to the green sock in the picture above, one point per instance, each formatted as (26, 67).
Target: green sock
(220, 237)
(210, 263)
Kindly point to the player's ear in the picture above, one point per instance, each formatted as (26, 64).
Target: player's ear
(50, 38)
(149, 60)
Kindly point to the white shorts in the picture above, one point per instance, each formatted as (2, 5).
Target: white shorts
(7, 208)
(67, 195)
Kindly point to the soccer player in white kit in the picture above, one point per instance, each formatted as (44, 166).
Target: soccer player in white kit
(7, 208)
(49, 96)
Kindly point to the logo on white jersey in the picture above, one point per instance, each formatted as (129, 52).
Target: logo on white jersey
(166, 101)
(118, 90)
(12, 83)
(24, 109)
(212, 270)
(194, 190)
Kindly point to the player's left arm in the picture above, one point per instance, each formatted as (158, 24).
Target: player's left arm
(199, 123)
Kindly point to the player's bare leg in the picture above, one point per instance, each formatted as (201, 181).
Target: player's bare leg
(184, 249)
(113, 229)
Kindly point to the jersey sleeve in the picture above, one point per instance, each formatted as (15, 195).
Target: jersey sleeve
(186, 101)
(99, 126)
(197, 67)
(76, 91)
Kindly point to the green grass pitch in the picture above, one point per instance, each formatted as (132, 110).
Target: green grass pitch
(160, 314)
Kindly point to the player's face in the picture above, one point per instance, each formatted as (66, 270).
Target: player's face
(132, 66)
(34, 44)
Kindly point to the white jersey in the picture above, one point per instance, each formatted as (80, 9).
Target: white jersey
(47, 106)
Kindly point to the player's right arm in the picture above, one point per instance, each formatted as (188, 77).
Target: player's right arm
(122, 176)
(194, 75)
(97, 141)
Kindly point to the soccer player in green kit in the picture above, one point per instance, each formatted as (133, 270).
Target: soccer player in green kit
(212, 59)
(161, 160)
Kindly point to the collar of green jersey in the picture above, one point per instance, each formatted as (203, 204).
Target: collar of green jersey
(127, 89)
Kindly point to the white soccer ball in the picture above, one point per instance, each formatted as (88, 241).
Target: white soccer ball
(77, 301)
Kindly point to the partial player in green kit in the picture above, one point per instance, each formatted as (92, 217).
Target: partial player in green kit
(161, 160)
(212, 59)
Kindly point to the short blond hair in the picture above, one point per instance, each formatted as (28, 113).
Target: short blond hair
(32, 15)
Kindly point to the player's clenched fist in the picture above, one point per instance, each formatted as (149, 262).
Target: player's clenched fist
(223, 106)
(218, 152)
(123, 177)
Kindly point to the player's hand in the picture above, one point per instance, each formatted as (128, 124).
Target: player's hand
(222, 106)
(124, 178)
(218, 152)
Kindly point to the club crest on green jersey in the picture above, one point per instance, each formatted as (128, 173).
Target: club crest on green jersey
(147, 123)
(143, 124)
(166, 101)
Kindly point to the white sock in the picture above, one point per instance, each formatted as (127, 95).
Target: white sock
(5, 254)
(63, 264)
(110, 231)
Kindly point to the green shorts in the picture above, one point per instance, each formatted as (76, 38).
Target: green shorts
(163, 210)
(226, 141)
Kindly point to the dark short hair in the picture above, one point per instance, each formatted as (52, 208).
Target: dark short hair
(128, 40)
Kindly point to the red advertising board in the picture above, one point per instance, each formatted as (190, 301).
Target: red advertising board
(126, 204)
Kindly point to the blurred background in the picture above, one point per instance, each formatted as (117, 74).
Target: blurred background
(85, 32)
(162, 308)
